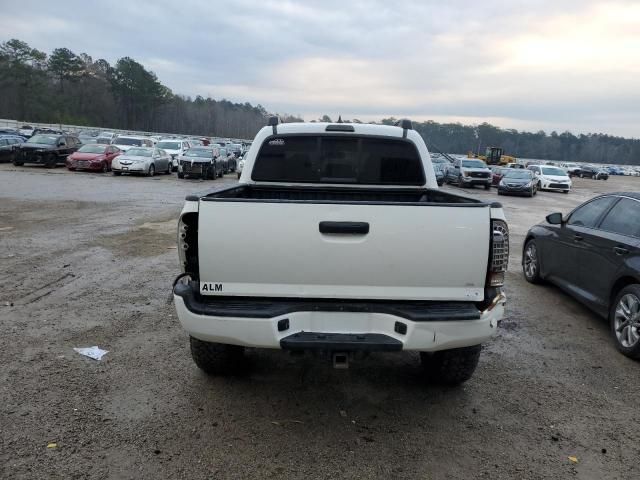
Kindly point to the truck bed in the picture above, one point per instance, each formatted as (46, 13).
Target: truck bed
(312, 194)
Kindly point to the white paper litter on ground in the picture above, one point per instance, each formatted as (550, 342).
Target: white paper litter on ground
(92, 352)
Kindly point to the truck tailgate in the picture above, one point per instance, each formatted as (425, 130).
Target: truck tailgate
(410, 252)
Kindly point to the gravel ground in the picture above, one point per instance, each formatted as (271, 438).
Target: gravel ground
(87, 259)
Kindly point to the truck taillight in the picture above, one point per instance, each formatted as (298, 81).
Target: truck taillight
(499, 255)
(188, 243)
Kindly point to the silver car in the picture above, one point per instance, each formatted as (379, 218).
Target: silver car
(144, 160)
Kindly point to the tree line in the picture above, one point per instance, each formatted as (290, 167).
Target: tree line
(69, 88)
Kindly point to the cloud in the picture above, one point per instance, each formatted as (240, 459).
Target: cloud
(544, 64)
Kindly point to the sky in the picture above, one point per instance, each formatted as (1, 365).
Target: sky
(530, 65)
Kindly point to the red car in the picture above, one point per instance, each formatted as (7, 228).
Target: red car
(496, 175)
(93, 156)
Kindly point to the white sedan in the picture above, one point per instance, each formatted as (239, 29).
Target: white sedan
(551, 178)
(144, 160)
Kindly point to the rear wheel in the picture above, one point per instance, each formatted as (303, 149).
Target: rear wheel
(168, 171)
(50, 161)
(18, 163)
(487, 186)
(217, 358)
(625, 321)
(180, 175)
(117, 174)
(451, 367)
(531, 262)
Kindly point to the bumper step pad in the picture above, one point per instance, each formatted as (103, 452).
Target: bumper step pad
(342, 342)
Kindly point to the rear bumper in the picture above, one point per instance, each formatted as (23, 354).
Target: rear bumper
(438, 329)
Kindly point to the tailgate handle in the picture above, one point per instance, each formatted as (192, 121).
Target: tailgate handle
(344, 228)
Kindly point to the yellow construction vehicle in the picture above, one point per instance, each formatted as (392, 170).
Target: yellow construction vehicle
(494, 156)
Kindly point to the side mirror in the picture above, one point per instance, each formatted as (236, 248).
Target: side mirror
(554, 218)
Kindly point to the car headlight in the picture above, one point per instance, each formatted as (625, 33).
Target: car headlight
(465, 174)
(528, 184)
(502, 184)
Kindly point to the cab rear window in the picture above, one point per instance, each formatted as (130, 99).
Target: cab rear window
(338, 159)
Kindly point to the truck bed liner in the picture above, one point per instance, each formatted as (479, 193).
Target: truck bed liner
(371, 195)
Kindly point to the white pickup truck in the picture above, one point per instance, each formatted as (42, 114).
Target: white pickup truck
(338, 240)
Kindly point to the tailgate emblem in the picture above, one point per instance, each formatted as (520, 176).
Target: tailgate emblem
(211, 287)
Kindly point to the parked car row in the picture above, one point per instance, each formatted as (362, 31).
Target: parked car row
(120, 154)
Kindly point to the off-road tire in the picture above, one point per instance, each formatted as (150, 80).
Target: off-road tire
(217, 358)
(451, 367)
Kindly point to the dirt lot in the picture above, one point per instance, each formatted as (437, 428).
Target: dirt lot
(87, 259)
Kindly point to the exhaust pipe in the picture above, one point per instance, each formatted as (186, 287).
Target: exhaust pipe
(340, 360)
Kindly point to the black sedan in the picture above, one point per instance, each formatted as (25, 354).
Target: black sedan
(594, 255)
(516, 181)
(591, 172)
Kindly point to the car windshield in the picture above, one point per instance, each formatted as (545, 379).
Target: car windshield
(43, 139)
(128, 141)
(473, 164)
(91, 149)
(517, 173)
(553, 171)
(199, 152)
(169, 145)
(139, 152)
